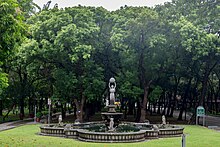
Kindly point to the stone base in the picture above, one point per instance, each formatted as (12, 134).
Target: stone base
(107, 115)
(111, 108)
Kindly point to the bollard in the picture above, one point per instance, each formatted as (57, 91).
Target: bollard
(183, 140)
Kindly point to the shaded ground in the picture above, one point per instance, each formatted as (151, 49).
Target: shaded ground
(153, 119)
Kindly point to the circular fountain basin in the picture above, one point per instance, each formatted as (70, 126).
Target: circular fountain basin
(84, 132)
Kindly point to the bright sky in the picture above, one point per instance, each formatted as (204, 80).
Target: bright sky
(108, 4)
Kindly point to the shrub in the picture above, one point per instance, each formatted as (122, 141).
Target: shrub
(39, 114)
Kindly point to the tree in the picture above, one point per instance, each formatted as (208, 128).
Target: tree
(11, 34)
(139, 33)
(67, 48)
(194, 17)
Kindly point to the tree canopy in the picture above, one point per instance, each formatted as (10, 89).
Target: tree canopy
(164, 56)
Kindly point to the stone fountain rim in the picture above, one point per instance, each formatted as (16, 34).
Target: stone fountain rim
(112, 113)
(110, 133)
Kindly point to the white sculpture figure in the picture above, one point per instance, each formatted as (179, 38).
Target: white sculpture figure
(112, 86)
(106, 102)
(111, 124)
(60, 119)
(163, 120)
(155, 127)
(67, 127)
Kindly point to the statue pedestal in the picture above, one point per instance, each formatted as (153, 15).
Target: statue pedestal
(107, 115)
(111, 108)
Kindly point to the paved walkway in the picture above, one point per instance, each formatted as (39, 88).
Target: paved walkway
(211, 122)
(11, 125)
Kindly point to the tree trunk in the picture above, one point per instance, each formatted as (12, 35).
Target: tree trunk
(184, 100)
(41, 104)
(21, 115)
(126, 109)
(154, 107)
(164, 104)
(215, 104)
(216, 97)
(172, 107)
(130, 107)
(1, 107)
(196, 100)
(169, 104)
(23, 83)
(144, 102)
(75, 110)
(138, 112)
(31, 106)
(158, 108)
(204, 89)
(208, 70)
(63, 111)
(173, 99)
(80, 108)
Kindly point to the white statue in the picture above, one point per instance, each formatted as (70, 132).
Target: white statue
(155, 127)
(106, 102)
(112, 86)
(60, 119)
(163, 120)
(67, 127)
(111, 125)
(112, 95)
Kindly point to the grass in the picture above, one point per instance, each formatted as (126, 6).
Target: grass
(25, 136)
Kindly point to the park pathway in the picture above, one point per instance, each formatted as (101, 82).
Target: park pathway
(212, 122)
(13, 124)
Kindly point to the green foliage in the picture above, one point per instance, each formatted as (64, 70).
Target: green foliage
(12, 27)
(3, 81)
(71, 53)
(11, 34)
(155, 94)
(128, 86)
(39, 115)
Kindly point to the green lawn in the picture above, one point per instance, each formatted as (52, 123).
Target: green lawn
(26, 136)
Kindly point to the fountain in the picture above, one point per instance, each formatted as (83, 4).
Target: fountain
(111, 129)
(111, 114)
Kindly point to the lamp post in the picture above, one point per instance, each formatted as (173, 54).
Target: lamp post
(49, 103)
(35, 113)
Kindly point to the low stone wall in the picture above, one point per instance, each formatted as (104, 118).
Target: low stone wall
(71, 133)
(52, 131)
(111, 137)
(151, 134)
(171, 132)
